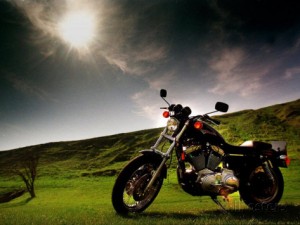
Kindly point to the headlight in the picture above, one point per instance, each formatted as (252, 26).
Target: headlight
(172, 124)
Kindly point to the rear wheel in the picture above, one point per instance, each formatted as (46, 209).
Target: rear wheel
(263, 189)
(129, 190)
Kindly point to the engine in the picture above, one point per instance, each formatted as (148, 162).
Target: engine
(221, 183)
(205, 160)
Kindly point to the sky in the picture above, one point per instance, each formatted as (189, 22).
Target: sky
(107, 80)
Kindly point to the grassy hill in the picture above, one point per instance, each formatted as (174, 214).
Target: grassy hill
(278, 122)
(71, 190)
(106, 155)
(84, 156)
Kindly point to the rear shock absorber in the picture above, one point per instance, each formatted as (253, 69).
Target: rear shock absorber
(267, 170)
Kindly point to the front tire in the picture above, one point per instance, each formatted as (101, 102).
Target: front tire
(260, 190)
(128, 192)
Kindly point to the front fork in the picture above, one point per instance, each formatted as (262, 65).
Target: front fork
(165, 156)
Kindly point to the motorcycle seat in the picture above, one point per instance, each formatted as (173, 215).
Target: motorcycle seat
(248, 147)
(257, 145)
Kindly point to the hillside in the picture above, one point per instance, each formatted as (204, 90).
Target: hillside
(84, 156)
(106, 155)
(278, 122)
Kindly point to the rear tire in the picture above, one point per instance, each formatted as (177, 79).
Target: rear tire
(128, 192)
(260, 191)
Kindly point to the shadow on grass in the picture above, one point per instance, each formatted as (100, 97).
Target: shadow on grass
(7, 197)
(281, 214)
(16, 204)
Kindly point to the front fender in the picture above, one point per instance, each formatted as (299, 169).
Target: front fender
(157, 157)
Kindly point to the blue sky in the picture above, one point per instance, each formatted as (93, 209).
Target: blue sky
(245, 53)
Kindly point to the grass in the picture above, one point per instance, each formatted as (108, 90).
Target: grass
(68, 192)
(86, 200)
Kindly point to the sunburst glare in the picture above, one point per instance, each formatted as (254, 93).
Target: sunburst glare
(78, 28)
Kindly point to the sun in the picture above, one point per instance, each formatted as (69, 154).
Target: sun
(78, 28)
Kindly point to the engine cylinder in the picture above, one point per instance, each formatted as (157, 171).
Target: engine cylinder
(213, 160)
(203, 155)
(198, 161)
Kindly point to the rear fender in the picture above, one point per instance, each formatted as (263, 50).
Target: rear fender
(276, 153)
(281, 156)
(157, 157)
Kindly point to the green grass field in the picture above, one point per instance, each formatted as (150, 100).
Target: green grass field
(71, 188)
(86, 200)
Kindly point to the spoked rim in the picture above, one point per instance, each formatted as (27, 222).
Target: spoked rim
(263, 188)
(134, 197)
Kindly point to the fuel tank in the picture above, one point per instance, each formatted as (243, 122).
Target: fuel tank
(206, 134)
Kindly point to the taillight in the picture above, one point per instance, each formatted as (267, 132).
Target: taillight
(198, 125)
(287, 161)
(166, 114)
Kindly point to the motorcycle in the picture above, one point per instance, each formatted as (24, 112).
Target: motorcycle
(206, 164)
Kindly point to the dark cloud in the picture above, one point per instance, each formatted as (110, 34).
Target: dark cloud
(241, 51)
(262, 15)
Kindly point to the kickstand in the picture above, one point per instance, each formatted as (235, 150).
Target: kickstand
(214, 198)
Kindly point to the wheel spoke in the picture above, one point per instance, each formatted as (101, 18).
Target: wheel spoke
(129, 193)
(263, 188)
(136, 184)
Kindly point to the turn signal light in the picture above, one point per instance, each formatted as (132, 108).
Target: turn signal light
(198, 125)
(183, 156)
(166, 114)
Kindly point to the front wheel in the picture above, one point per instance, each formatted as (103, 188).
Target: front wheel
(128, 192)
(262, 188)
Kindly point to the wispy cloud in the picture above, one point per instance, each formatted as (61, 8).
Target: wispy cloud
(120, 40)
(162, 81)
(291, 73)
(28, 88)
(147, 102)
(133, 49)
(142, 100)
(42, 15)
(234, 75)
(138, 60)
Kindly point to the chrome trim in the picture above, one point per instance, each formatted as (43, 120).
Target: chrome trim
(283, 157)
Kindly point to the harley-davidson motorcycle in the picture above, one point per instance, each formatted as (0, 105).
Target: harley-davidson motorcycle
(207, 165)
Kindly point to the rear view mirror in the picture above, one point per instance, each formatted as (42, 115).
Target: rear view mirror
(221, 107)
(163, 93)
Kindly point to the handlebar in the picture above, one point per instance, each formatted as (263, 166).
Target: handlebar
(217, 122)
(179, 111)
